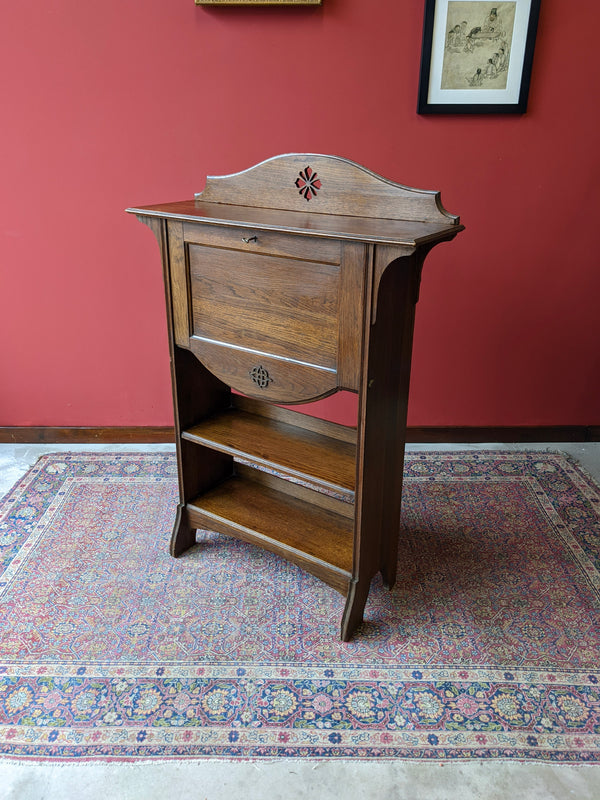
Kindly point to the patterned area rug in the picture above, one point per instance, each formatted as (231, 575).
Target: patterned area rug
(488, 647)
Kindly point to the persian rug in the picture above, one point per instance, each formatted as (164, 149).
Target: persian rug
(487, 648)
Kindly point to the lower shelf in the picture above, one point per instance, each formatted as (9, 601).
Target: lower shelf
(318, 540)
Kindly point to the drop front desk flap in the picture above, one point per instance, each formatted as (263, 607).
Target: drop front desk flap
(285, 283)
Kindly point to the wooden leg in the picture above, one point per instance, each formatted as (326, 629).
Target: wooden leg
(183, 537)
(395, 323)
(389, 567)
(355, 606)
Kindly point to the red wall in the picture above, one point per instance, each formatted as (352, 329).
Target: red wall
(114, 103)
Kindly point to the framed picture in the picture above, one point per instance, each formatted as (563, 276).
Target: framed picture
(477, 56)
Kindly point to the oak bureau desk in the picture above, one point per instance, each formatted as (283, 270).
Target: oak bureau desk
(285, 283)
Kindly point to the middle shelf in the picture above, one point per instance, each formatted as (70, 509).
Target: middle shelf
(321, 454)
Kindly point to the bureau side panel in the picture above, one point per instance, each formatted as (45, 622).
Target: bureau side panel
(179, 284)
(351, 316)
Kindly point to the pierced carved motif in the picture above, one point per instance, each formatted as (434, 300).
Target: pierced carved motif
(308, 183)
(260, 377)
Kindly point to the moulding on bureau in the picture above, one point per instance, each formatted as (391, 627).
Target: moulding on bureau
(414, 435)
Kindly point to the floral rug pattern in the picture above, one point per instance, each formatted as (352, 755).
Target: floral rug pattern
(488, 646)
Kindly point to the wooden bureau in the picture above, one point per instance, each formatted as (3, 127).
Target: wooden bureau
(285, 283)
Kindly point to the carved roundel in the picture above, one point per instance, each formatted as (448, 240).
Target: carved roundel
(308, 183)
(261, 377)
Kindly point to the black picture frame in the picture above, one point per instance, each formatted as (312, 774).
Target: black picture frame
(456, 53)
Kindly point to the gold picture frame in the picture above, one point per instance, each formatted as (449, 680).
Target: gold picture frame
(258, 2)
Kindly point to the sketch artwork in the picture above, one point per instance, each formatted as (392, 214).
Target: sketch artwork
(477, 44)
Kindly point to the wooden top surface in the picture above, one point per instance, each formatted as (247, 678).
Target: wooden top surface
(364, 229)
(328, 196)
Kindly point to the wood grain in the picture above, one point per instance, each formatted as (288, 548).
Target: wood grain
(327, 463)
(306, 248)
(290, 416)
(344, 185)
(318, 540)
(289, 381)
(282, 306)
(327, 226)
(178, 277)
